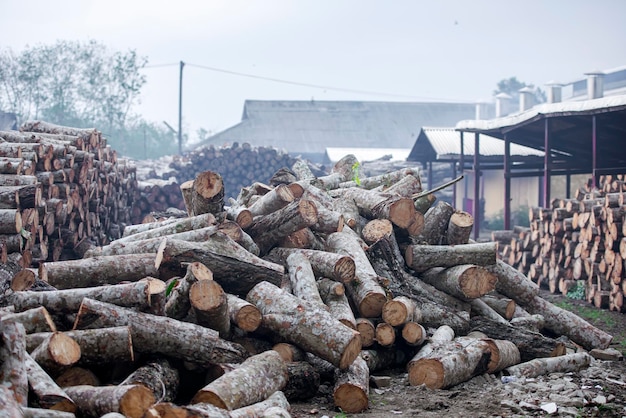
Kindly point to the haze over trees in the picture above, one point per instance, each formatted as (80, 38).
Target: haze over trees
(512, 86)
(85, 85)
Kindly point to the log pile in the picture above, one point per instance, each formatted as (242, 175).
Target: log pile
(576, 246)
(242, 311)
(60, 186)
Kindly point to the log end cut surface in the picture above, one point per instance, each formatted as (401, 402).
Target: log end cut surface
(427, 372)
(372, 305)
(352, 350)
(249, 318)
(475, 282)
(351, 399)
(136, 401)
(207, 396)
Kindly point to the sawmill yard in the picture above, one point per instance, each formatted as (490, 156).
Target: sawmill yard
(261, 285)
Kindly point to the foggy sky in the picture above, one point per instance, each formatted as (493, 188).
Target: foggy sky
(453, 50)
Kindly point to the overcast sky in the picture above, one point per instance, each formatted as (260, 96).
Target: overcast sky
(410, 50)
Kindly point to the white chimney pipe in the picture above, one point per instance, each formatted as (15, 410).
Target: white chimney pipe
(481, 110)
(554, 91)
(595, 84)
(502, 100)
(526, 96)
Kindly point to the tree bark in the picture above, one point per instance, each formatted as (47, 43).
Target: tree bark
(10, 221)
(423, 257)
(210, 306)
(334, 296)
(157, 334)
(56, 352)
(351, 391)
(462, 281)
(363, 290)
(191, 223)
(33, 320)
(303, 381)
(459, 228)
(436, 222)
(130, 400)
(306, 325)
(373, 204)
(47, 394)
(302, 278)
(243, 314)
(253, 381)
(276, 399)
(159, 376)
(207, 194)
(178, 303)
(325, 264)
(9, 407)
(541, 366)
(513, 284)
(401, 310)
(12, 356)
(98, 271)
(276, 199)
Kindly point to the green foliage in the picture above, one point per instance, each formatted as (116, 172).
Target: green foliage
(519, 217)
(143, 140)
(512, 85)
(578, 291)
(355, 173)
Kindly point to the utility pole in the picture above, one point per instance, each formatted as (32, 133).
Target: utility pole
(180, 109)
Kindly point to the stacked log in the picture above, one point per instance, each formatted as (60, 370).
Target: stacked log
(576, 246)
(332, 304)
(60, 186)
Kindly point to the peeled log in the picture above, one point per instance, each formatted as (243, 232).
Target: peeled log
(541, 366)
(12, 355)
(351, 390)
(463, 281)
(158, 334)
(98, 271)
(563, 322)
(253, 381)
(130, 400)
(423, 257)
(306, 325)
(363, 290)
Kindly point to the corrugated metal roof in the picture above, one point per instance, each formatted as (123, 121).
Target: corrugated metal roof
(447, 141)
(309, 127)
(368, 154)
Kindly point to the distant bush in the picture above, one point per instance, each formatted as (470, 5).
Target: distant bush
(519, 217)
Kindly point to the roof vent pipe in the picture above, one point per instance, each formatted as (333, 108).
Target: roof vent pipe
(554, 92)
(481, 110)
(526, 96)
(502, 100)
(595, 84)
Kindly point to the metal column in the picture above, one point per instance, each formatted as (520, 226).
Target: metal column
(507, 182)
(476, 186)
(594, 150)
(547, 164)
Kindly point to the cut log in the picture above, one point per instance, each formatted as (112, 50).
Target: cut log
(306, 325)
(33, 320)
(12, 356)
(130, 400)
(178, 303)
(97, 346)
(243, 314)
(479, 307)
(157, 334)
(289, 352)
(23, 280)
(504, 306)
(268, 230)
(513, 284)
(47, 394)
(531, 344)
(326, 264)
(363, 290)
(413, 334)
(302, 278)
(401, 310)
(351, 391)
(9, 408)
(277, 198)
(334, 296)
(159, 376)
(459, 228)
(10, 221)
(303, 381)
(207, 194)
(462, 281)
(210, 305)
(540, 366)
(276, 399)
(376, 205)
(137, 228)
(423, 257)
(367, 330)
(383, 359)
(46, 413)
(385, 334)
(436, 222)
(253, 381)
(191, 223)
(98, 271)
(56, 352)
(504, 353)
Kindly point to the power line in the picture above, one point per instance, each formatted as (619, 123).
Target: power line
(302, 84)
(161, 65)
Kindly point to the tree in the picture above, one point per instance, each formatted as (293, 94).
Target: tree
(512, 86)
(82, 84)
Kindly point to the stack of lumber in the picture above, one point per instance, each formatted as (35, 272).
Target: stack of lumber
(60, 186)
(240, 164)
(248, 306)
(575, 244)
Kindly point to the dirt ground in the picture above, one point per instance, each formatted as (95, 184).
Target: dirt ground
(597, 391)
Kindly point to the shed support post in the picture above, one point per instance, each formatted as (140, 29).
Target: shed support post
(476, 186)
(507, 182)
(453, 167)
(462, 163)
(594, 150)
(547, 164)
(430, 175)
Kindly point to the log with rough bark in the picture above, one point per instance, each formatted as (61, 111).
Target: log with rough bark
(464, 281)
(12, 355)
(326, 264)
(531, 344)
(439, 365)
(401, 310)
(98, 271)
(47, 394)
(306, 324)
(479, 307)
(303, 381)
(363, 290)
(191, 223)
(275, 199)
(504, 353)
(540, 366)
(513, 284)
(9, 408)
(243, 314)
(564, 322)
(160, 376)
(436, 222)
(10, 221)
(351, 390)
(157, 334)
(97, 346)
(367, 330)
(302, 278)
(413, 334)
(130, 400)
(47, 413)
(178, 303)
(459, 228)
(56, 352)
(210, 305)
(504, 306)
(276, 399)
(253, 381)
(334, 296)
(423, 257)
(206, 194)
(33, 320)
(269, 229)
(133, 295)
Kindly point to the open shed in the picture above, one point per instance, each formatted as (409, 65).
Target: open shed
(582, 137)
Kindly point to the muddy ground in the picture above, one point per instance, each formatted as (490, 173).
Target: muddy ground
(597, 391)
